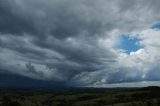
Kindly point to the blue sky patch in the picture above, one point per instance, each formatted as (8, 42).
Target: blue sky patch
(129, 44)
(156, 26)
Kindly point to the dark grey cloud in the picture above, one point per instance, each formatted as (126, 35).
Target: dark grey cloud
(11, 22)
(61, 40)
(31, 69)
(67, 30)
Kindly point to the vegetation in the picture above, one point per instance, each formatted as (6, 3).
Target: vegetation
(149, 96)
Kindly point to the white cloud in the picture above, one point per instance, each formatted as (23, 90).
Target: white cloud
(144, 60)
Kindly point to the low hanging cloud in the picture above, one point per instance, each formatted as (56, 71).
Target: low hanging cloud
(73, 41)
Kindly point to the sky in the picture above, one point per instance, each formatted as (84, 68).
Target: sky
(100, 43)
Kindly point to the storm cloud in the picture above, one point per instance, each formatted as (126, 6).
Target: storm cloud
(73, 41)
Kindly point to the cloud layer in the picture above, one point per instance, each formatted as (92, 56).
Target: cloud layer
(74, 41)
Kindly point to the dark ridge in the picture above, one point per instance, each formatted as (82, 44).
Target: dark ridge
(152, 88)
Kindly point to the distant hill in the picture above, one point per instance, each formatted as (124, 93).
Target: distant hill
(151, 88)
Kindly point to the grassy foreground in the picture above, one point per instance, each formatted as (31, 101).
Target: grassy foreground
(149, 96)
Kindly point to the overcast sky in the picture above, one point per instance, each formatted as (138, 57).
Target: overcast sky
(81, 42)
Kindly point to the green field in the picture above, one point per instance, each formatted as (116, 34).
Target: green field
(82, 97)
